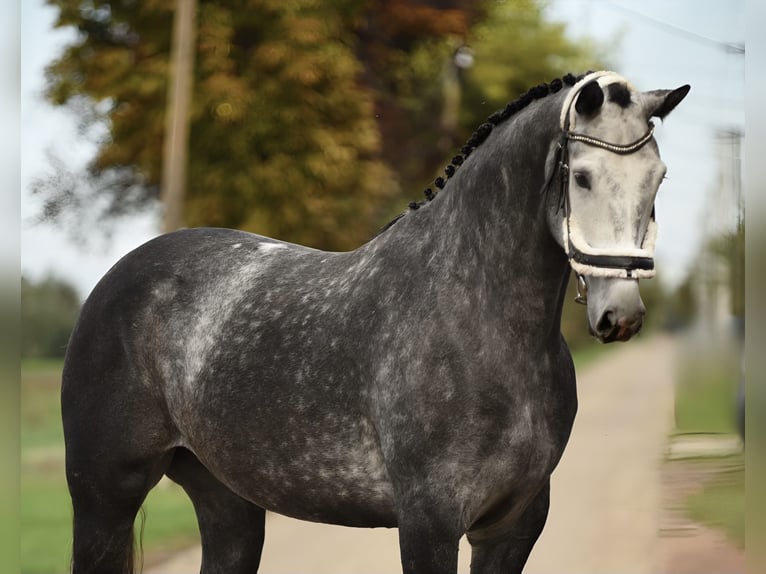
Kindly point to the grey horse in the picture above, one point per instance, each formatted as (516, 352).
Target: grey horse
(419, 382)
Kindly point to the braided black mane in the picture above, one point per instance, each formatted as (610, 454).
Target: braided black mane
(483, 131)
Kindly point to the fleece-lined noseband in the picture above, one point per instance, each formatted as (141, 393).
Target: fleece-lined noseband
(583, 258)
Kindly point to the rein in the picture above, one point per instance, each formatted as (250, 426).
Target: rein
(586, 260)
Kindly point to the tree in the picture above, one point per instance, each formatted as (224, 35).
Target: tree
(408, 49)
(283, 139)
(730, 248)
(517, 48)
(49, 309)
(404, 47)
(311, 119)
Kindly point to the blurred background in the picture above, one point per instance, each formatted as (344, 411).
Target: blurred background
(316, 122)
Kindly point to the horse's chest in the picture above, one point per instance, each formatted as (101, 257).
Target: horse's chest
(507, 473)
(529, 444)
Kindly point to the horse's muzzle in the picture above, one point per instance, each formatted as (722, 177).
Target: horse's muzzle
(612, 327)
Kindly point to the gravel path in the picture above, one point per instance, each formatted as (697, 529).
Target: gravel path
(605, 502)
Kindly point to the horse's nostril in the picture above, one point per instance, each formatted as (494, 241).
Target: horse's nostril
(607, 322)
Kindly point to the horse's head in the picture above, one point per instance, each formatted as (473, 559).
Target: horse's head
(609, 170)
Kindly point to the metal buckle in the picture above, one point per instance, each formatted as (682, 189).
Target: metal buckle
(582, 291)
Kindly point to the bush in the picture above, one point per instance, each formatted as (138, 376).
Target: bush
(49, 310)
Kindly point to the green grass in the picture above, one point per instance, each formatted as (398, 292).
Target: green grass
(41, 406)
(170, 520)
(37, 365)
(721, 502)
(46, 521)
(46, 516)
(706, 394)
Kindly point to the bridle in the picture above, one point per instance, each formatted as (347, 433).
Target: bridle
(632, 263)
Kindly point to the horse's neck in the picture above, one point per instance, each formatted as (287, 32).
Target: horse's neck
(487, 231)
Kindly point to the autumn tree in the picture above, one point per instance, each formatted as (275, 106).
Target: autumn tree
(408, 50)
(516, 48)
(283, 139)
(404, 47)
(311, 120)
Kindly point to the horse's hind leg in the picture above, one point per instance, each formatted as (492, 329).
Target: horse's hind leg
(118, 445)
(232, 529)
(107, 483)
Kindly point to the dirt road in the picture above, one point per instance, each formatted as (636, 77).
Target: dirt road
(605, 501)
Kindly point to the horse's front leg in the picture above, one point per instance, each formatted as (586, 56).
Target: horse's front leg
(429, 535)
(509, 553)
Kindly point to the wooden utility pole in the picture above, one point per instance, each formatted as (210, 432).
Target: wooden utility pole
(180, 82)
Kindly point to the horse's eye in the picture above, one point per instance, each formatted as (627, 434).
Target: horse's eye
(582, 180)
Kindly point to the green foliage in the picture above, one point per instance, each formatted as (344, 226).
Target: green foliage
(48, 313)
(311, 119)
(516, 48)
(283, 138)
(41, 405)
(681, 305)
(282, 128)
(731, 248)
(705, 398)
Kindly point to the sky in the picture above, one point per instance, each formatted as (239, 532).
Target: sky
(658, 44)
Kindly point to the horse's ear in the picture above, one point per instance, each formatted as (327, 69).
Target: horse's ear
(590, 99)
(659, 103)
